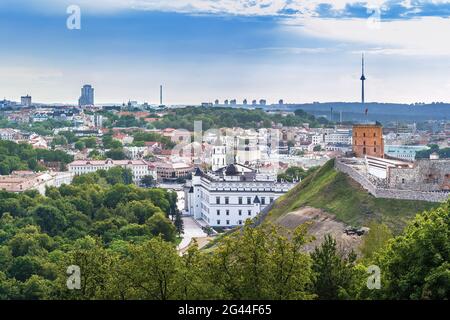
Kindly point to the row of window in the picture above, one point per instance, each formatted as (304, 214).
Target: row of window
(227, 222)
(364, 134)
(241, 200)
(227, 212)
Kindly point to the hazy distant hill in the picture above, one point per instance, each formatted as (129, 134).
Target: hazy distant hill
(383, 112)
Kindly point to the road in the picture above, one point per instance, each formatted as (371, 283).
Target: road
(191, 230)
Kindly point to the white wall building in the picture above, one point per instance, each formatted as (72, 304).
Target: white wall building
(139, 168)
(231, 195)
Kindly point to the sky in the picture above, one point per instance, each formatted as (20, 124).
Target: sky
(200, 50)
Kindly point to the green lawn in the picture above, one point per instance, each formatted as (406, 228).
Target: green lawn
(338, 194)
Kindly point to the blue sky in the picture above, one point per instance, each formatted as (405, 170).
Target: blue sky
(200, 50)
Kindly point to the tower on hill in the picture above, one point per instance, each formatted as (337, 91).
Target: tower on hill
(368, 140)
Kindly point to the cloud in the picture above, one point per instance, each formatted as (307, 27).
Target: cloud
(420, 36)
(389, 9)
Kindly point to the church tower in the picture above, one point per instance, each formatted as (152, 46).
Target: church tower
(219, 156)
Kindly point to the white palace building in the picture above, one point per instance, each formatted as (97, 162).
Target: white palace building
(229, 196)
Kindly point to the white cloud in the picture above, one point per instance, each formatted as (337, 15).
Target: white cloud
(233, 7)
(424, 36)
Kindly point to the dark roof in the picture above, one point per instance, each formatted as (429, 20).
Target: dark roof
(231, 170)
(191, 190)
(256, 200)
(198, 172)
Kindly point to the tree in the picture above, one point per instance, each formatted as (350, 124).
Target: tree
(260, 263)
(152, 271)
(50, 219)
(179, 224)
(148, 181)
(333, 273)
(415, 265)
(79, 145)
(116, 154)
(159, 225)
(138, 211)
(317, 148)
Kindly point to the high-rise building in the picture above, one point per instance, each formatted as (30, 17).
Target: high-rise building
(25, 101)
(87, 96)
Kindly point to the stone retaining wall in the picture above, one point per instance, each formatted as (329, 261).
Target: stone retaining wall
(389, 193)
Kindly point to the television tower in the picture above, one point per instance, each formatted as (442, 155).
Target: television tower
(160, 95)
(363, 78)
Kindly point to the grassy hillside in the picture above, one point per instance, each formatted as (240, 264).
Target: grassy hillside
(338, 194)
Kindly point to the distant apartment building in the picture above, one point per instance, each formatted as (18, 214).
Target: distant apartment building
(403, 152)
(87, 96)
(25, 100)
(368, 140)
(21, 181)
(139, 168)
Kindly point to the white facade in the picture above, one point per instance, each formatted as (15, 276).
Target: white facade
(224, 199)
(218, 157)
(139, 168)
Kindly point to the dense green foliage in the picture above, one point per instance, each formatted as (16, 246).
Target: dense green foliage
(44, 128)
(141, 137)
(295, 173)
(22, 156)
(416, 265)
(37, 232)
(232, 117)
(338, 194)
(425, 154)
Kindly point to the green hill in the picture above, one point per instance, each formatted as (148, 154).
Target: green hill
(336, 193)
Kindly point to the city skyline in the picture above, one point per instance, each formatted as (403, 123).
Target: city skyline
(201, 51)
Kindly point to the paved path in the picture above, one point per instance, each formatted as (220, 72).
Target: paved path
(191, 230)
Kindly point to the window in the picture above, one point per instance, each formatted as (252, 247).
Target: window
(374, 149)
(227, 200)
(364, 150)
(240, 212)
(218, 221)
(227, 212)
(240, 221)
(374, 134)
(217, 200)
(263, 200)
(364, 134)
(271, 199)
(249, 212)
(240, 200)
(218, 212)
(375, 143)
(228, 221)
(403, 180)
(249, 200)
